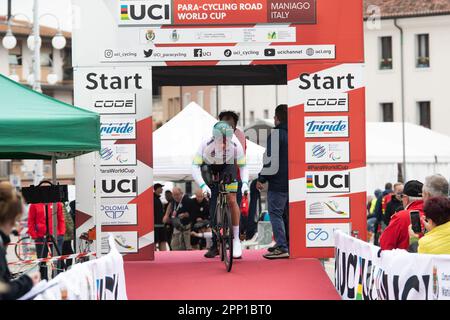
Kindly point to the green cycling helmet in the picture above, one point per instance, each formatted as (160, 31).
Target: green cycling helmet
(222, 129)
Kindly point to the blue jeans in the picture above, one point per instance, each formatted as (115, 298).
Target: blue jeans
(278, 201)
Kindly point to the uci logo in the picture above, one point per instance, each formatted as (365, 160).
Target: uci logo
(119, 187)
(323, 182)
(145, 12)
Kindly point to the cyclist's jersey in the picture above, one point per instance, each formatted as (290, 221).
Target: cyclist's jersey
(224, 161)
(208, 153)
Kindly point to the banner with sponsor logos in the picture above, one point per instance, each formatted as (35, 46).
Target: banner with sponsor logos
(321, 41)
(183, 32)
(364, 272)
(123, 98)
(327, 154)
(99, 279)
(210, 12)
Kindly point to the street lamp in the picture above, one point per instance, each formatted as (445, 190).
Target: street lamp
(34, 42)
(9, 41)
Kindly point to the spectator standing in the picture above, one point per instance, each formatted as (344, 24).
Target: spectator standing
(378, 212)
(158, 211)
(177, 214)
(437, 225)
(169, 228)
(68, 236)
(395, 205)
(37, 228)
(278, 193)
(10, 212)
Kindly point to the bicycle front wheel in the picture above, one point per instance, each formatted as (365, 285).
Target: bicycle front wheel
(227, 238)
(25, 249)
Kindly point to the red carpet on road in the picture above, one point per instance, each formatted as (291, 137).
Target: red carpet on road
(187, 275)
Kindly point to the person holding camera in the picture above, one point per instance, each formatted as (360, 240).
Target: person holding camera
(415, 194)
(199, 213)
(177, 214)
(437, 225)
(11, 208)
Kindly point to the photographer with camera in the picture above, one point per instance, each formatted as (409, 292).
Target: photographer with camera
(177, 214)
(199, 213)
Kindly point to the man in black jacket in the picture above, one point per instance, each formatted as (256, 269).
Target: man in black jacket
(275, 172)
(158, 211)
(395, 205)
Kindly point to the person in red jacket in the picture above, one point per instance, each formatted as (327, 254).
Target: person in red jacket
(37, 228)
(396, 235)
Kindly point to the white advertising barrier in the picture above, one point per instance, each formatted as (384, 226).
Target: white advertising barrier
(364, 272)
(99, 279)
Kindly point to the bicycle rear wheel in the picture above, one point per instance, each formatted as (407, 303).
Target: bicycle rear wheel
(227, 238)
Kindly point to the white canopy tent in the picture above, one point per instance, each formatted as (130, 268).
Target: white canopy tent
(175, 144)
(427, 153)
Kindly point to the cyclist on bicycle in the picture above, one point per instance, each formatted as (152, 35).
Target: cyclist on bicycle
(222, 156)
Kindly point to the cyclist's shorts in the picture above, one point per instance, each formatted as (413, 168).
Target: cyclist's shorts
(232, 187)
(230, 171)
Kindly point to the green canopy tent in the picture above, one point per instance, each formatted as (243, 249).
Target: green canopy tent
(35, 126)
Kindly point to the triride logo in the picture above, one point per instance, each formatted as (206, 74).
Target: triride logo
(150, 12)
(118, 129)
(327, 182)
(317, 127)
(119, 187)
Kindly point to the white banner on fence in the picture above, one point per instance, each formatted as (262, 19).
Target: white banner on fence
(99, 279)
(363, 272)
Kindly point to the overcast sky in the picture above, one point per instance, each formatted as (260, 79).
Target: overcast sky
(60, 8)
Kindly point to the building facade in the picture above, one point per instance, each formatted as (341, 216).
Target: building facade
(19, 62)
(407, 47)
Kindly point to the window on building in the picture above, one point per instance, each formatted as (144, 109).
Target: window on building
(46, 57)
(425, 114)
(252, 116)
(186, 99)
(386, 53)
(423, 51)
(201, 98)
(67, 64)
(15, 55)
(266, 114)
(387, 110)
